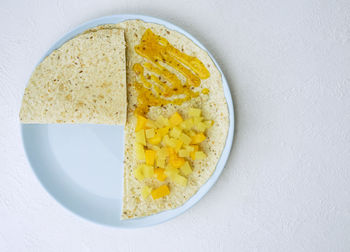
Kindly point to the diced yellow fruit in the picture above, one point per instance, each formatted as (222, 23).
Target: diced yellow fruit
(171, 172)
(197, 120)
(209, 123)
(150, 157)
(179, 162)
(165, 140)
(145, 191)
(199, 155)
(150, 133)
(180, 180)
(141, 123)
(161, 157)
(150, 124)
(148, 171)
(138, 173)
(174, 143)
(163, 153)
(140, 137)
(155, 140)
(191, 133)
(170, 152)
(171, 142)
(178, 144)
(200, 127)
(194, 112)
(160, 162)
(186, 169)
(160, 192)
(192, 154)
(159, 174)
(205, 91)
(140, 152)
(185, 139)
(198, 138)
(184, 153)
(187, 124)
(175, 119)
(175, 132)
(162, 121)
(176, 162)
(155, 148)
(163, 131)
(190, 148)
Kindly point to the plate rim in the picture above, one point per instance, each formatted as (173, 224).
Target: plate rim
(203, 190)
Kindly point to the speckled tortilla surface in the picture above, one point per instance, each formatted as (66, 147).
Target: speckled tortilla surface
(213, 106)
(83, 81)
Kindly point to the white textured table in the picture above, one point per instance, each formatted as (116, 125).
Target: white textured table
(286, 186)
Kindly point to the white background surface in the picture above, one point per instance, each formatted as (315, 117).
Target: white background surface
(286, 186)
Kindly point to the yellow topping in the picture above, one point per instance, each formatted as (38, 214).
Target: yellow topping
(187, 124)
(175, 119)
(145, 192)
(140, 152)
(186, 169)
(163, 131)
(205, 91)
(165, 146)
(141, 123)
(159, 86)
(171, 172)
(194, 112)
(160, 192)
(198, 138)
(199, 155)
(140, 137)
(147, 171)
(184, 153)
(180, 180)
(150, 133)
(185, 139)
(155, 140)
(161, 157)
(150, 124)
(150, 157)
(175, 132)
(200, 127)
(138, 173)
(193, 153)
(159, 174)
(162, 121)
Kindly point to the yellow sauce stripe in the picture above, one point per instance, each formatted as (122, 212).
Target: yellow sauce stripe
(162, 71)
(192, 62)
(139, 71)
(152, 91)
(192, 79)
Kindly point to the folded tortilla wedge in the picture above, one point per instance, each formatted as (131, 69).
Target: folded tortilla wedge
(83, 81)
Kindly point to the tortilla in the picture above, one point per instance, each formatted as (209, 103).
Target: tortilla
(213, 106)
(84, 81)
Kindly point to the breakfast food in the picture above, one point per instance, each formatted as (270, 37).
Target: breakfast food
(174, 108)
(83, 81)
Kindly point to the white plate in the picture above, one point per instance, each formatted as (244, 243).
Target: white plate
(81, 166)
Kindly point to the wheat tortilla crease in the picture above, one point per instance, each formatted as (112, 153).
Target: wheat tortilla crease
(83, 81)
